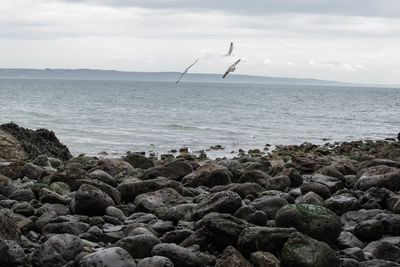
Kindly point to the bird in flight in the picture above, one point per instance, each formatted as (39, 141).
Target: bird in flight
(231, 68)
(229, 52)
(186, 70)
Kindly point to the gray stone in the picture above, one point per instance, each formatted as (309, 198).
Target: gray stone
(379, 176)
(174, 170)
(209, 175)
(103, 177)
(180, 256)
(91, 201)
(11, 254)
(138, 246)
(109, 257)
(155, 261)
(269, 205)
(310, 198)
(342, 203)
(231, 257)
(383, 250)
(151, 201)
(318, 188)
(369, 230)
(139, 161)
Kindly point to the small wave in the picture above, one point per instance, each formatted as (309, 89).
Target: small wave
(178, 126)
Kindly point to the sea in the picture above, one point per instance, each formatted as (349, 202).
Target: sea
(114, 117)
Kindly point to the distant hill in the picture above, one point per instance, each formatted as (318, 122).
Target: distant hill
(92, 74)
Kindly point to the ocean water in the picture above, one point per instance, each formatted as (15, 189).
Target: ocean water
(119, 116)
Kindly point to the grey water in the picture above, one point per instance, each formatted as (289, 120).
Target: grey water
(119, 116)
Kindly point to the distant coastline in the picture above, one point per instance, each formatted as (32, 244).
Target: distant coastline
(95, 74)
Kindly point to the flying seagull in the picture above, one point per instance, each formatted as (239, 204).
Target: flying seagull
(229, 52)
(231, 68)
(186, 70)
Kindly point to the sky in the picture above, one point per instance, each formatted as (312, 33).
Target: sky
(343, 40)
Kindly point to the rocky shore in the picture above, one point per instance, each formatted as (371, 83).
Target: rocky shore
(307, 205)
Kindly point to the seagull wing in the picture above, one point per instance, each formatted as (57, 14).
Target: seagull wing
(230, 49)
(192, 64)
(226, 73)
(237, 62)
(186, 70)
(180, 77)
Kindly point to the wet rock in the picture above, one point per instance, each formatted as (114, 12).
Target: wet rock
(109, 257)
(383, 250)
(103, 177)
(271, 239)
(318, 188)
(174, 170)
(139, 246)
(351, 218)
(264, 259)
(139, 161)
(8, 226)
(11, 254)
(22, 195)
(216, 232)
(301, 250)
(310, 198)
(176, 236)
(269, 205)
(223, 202)
(35, 143)
(250, 214)
(180, 256)
(244, 189)
(130, 190)
(334, 184)
(57, 251)
(315, 221)
(369, 230)
(114, 166)
(255, 176)
(280, 182)
(153, 200)
(379, 176)
(348, 240)
(231, 257)
(91, 201)
(209, 175)
(342, 203)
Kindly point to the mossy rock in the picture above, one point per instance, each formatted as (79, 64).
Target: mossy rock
(313, 220)
(60, 187)
(37, 186)
(303, 251)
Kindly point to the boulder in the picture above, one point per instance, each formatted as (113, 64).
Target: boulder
(131, 189)
(174, 170)
(231, 257)
(139, 161)
(209, 175)
(32, 171)
(255, 176)
(378, 263)
(138, 246)
(383, 250)
(114, 166)
(109, 257)
(57, 251)
(269, 205)
(155, 261)
(315, 221)
(310, 198)
(264, 259)
(11, 254)
(301, 250)
(244, 189)
(295, 177)
(348, 240)
(342, 203)
(250, 214)
(280, 182)
(318, 188)
(8, 226)
(91, 201)
(103, 177)
(180, 256)
(369, 230)
(35, 143)
(334, 184)
(106, 188)
(10, 147)
(223, 202)
(151, 201)
(272, 239)
(379, 176)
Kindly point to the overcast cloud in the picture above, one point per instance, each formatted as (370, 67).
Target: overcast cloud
(345, 40)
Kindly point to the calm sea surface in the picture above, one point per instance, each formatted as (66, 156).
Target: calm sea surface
(120, 116)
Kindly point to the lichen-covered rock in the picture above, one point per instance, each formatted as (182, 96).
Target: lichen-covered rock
(57, 251)
(231, 257)
(11, 254)
(109, 257)
(209, 175)
(90, 200)
(301, 250)
(315, 221)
